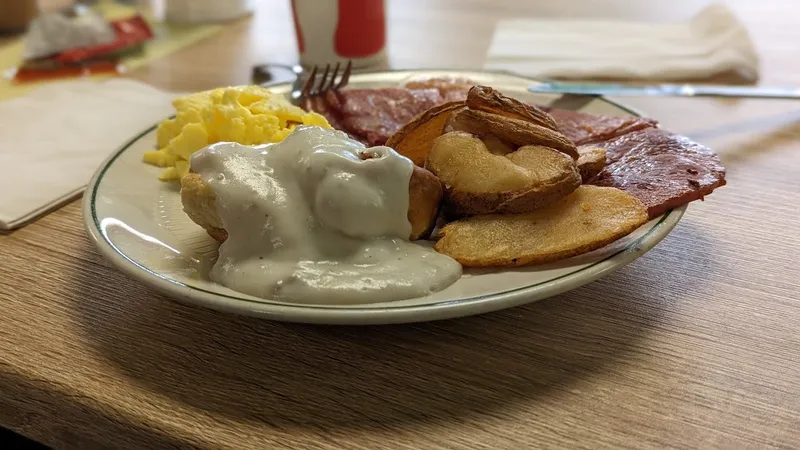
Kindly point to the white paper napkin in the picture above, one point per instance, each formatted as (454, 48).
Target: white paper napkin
(54, 138)
(712, 42)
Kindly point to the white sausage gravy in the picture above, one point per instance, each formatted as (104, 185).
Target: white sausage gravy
(309, 221)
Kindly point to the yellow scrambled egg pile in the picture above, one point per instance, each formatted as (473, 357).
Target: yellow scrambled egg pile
(248, 115)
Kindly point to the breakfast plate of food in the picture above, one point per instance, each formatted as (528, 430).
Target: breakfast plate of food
(406, 196)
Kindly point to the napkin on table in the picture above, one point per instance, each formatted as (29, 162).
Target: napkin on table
(712, 42)
(55, 137)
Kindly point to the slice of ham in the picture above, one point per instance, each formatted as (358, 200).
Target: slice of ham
(451, 89)
(662, 169)
(582, 128)
(319, 104)
(375, 114)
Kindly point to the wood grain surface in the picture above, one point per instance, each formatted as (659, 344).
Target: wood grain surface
(694, 345)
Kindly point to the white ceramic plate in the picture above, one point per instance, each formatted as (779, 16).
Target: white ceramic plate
(137, 222)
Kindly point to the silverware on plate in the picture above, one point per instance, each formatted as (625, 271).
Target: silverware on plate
(666, 90)
(305, 86)
(317, 85)
(264, 74)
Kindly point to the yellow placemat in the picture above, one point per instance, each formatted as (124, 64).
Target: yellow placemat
(168, 39)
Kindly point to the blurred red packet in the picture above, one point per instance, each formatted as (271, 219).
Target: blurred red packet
(131, 33)
(35, 72)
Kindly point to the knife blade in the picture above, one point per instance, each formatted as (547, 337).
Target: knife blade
(666, 90)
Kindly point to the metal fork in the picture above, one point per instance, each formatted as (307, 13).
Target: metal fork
(314, 85)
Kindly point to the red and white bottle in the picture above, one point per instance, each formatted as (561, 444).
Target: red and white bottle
(331, 31)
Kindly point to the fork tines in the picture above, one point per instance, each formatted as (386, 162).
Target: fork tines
(316, 85)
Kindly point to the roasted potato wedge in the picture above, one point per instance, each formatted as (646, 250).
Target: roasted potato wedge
(588, 219)
(415, 138)
(478, 181)
(486, 99)
(591, 161)
(517, 132)
(425, 196)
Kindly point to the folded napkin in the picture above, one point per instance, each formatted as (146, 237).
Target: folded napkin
(55, 137)
(712, 42)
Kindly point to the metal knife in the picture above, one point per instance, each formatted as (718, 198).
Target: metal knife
(666, 90)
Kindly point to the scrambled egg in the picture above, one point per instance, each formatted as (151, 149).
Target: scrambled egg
(249, 115)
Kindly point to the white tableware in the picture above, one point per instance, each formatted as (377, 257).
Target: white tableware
(137, 222)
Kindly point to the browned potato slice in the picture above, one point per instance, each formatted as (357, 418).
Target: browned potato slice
(424, 190)
(480, 182)
(513, 131)
(487, 99)
(589, 218)
(592, 161)
(415, 138)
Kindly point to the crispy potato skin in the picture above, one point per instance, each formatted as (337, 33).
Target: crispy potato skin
(484, 98)
(512, 130)
(414, 140)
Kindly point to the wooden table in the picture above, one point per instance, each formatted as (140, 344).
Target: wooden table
(695, 345)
